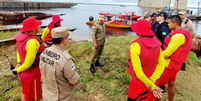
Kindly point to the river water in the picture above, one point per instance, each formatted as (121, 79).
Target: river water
(77, 16)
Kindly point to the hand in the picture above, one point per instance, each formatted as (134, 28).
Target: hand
(149, 87)
(14, 71)
(17, 65)
(158, 92)
(95, 45)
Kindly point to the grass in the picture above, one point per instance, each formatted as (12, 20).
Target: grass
(7, 35)
(109, 83)
(10, 89)
(11, 34)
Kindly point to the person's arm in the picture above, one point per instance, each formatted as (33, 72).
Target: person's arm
(32, 47)
(191, 29)
(107, 23)
(70, 72)
(136, 62)
(94, 31)
(159, 68)
(18, 58)
(176, 41)
(45, 33)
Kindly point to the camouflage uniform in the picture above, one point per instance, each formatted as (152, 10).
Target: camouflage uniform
(187, 24)
(99, 31)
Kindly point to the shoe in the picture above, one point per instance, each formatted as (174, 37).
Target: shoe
(163, 88)
(97, 63)
(92, 68)
(183, 68)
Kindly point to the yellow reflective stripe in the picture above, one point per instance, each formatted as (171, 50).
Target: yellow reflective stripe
(35, 89)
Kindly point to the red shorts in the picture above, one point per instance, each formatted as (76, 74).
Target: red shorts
(138, 91)
(32, 89)
(168, 75)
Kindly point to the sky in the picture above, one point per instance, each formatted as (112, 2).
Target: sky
(191, 3)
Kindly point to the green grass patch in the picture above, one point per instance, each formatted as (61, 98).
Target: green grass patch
(7, 34)
(11, 34)
(10, 88)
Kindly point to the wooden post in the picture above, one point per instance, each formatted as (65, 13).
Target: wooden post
(38, 5)
(169, 8)
(198, 12)
(1, 6)
(177, 5)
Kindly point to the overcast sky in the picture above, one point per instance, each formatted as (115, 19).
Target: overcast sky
(131, 2)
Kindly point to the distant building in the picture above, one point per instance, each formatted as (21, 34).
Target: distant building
(182, 4)
(163, 3)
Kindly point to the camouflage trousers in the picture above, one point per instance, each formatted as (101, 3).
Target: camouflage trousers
(96, 53)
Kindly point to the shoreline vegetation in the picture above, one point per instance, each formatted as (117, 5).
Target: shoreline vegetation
(110, 82)
(11, 34)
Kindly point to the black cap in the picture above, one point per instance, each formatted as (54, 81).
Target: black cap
(153, 15)
(163, 14)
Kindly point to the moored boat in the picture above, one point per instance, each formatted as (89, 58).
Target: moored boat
(121, 20)
(132, 13)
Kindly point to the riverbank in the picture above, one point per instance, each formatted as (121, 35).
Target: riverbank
(109, 83)
(11, 34)
(31, 4)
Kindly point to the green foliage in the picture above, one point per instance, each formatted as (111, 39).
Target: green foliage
(10, 88)
(193, 60)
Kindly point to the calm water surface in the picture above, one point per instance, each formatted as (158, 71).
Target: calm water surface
(77, 16)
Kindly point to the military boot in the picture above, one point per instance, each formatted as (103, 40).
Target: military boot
(97, 63)
(92, 68)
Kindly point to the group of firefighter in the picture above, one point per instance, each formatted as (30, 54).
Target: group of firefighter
(154, 58)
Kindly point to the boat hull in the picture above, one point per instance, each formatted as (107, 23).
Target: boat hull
(113, 24)
(135, 17)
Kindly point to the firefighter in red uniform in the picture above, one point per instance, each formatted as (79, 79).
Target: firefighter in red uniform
(146, 64)
(177, 47)
(47, 36)
(29, 48)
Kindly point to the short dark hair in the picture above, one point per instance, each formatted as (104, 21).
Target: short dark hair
(176, 19)
(58, 40)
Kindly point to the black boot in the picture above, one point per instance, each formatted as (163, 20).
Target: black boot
(92, 68)
(97, 63)
(163, 88)
(183, 68)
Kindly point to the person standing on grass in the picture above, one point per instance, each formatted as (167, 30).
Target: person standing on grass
(187, 24)
(177, 47)
(145, 64)
(57, 68)
(98, 36)
(29, 48)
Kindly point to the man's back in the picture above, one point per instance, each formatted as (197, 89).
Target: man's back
(58, 73)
